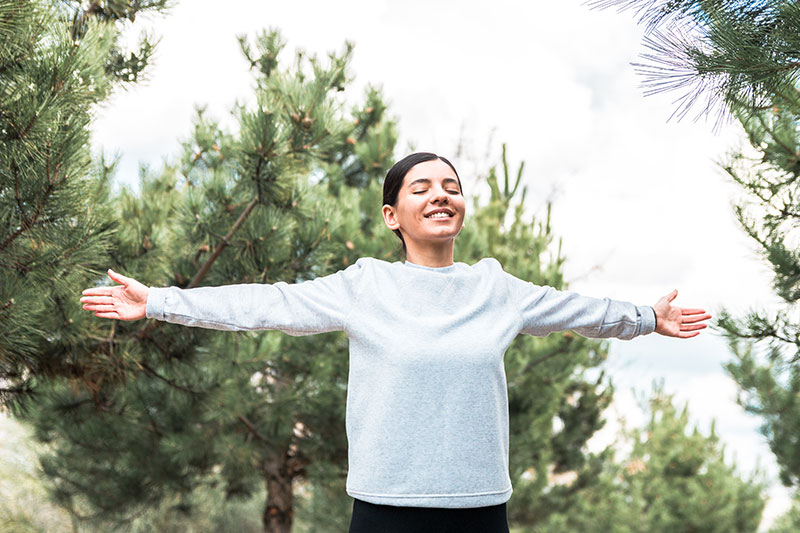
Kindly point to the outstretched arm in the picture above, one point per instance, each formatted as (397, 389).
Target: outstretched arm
(126, 301)
(678, 321)
(544, 310)
(305, 308)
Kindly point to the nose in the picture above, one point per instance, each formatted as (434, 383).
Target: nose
(438, 196)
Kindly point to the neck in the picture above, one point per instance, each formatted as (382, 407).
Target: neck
(432, 255)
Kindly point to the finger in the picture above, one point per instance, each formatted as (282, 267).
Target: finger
(108, 315)
(692, 311)
(92, 306)
(671, 296)
(688, 335)
(693, 319)
(119, 278)
(97, 291)
(97, 300)
(99, 307)
(693, 327)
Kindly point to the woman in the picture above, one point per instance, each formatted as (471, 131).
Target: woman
(427, 406)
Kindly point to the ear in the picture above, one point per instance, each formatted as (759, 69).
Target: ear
(389, 217)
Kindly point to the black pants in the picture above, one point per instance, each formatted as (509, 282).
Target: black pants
(373, 518)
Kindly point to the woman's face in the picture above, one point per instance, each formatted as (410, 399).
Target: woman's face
(430, 206)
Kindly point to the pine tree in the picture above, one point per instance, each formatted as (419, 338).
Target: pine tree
(673, 479)
(57, 62)
(741, 57)
(151, 414)
(169, 409)
(172, 409)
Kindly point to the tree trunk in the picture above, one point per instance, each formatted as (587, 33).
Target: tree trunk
(278, 513)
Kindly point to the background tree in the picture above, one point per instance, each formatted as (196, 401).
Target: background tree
(170, 409)
(789, 521)
(673, 479)
(167, 412)
(741, 58)
(57, 61)
(144, 416)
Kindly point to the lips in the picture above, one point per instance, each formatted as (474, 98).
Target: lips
(440, 212)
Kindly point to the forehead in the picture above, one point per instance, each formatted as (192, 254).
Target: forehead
(434, 170)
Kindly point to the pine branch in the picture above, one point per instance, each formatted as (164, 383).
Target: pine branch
(198, 277)
(722, 51)
(15, 170)
(222, 245)
(775, 138)
(252, 429)
(527, 368)
(170, 382)
(52, 182)
(153, 424)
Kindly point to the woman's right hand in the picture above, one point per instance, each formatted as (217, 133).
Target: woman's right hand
(127, 301)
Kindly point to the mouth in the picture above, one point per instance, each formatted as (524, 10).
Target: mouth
(440, 213)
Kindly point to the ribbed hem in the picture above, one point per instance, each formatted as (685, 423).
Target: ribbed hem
(648, 315)
(448, 501)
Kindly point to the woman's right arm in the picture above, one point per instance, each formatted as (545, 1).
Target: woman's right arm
(313, 306)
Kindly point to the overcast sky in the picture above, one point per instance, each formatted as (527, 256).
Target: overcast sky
(639, 201)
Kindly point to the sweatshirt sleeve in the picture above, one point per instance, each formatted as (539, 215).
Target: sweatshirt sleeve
(314, 306)
(544, 310)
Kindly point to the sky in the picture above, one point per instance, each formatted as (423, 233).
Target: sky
(639, 200)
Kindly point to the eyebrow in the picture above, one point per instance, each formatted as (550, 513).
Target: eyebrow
(428, 181)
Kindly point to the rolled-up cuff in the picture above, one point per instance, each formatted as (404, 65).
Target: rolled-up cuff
(648, 317)
(156, 301)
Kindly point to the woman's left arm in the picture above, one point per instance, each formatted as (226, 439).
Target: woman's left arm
(545, 310)
(679, 322)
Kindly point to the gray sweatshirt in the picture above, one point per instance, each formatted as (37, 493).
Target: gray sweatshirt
(427, 403)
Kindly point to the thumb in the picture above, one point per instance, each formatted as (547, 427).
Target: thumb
(671, 296)
(119, 278)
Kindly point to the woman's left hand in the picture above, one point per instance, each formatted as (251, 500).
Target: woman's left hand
(677, 321)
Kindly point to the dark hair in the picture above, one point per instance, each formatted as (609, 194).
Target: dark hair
(394, 179)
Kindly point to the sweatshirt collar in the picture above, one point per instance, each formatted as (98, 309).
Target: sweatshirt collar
(443, 269)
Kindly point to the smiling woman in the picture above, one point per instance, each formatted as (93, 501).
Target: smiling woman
(427, 405)
(431, 213)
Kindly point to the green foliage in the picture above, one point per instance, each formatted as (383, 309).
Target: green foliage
(770, 387)
(164, 413)
(721, 53)
(789, 522)
(744, 55)
(54, 227)
(146, 423)
(673, 479)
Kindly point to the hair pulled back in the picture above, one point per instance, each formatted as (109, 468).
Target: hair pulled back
(394, 179)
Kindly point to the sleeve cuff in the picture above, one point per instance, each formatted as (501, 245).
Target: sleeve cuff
(648, 315)
(156, 301)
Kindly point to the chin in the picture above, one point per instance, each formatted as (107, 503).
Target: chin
(444, 236)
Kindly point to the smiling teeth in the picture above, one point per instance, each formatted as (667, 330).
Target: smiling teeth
(439, 215)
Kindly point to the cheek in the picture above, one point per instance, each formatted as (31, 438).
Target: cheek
(413, 206)
(462, 208)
